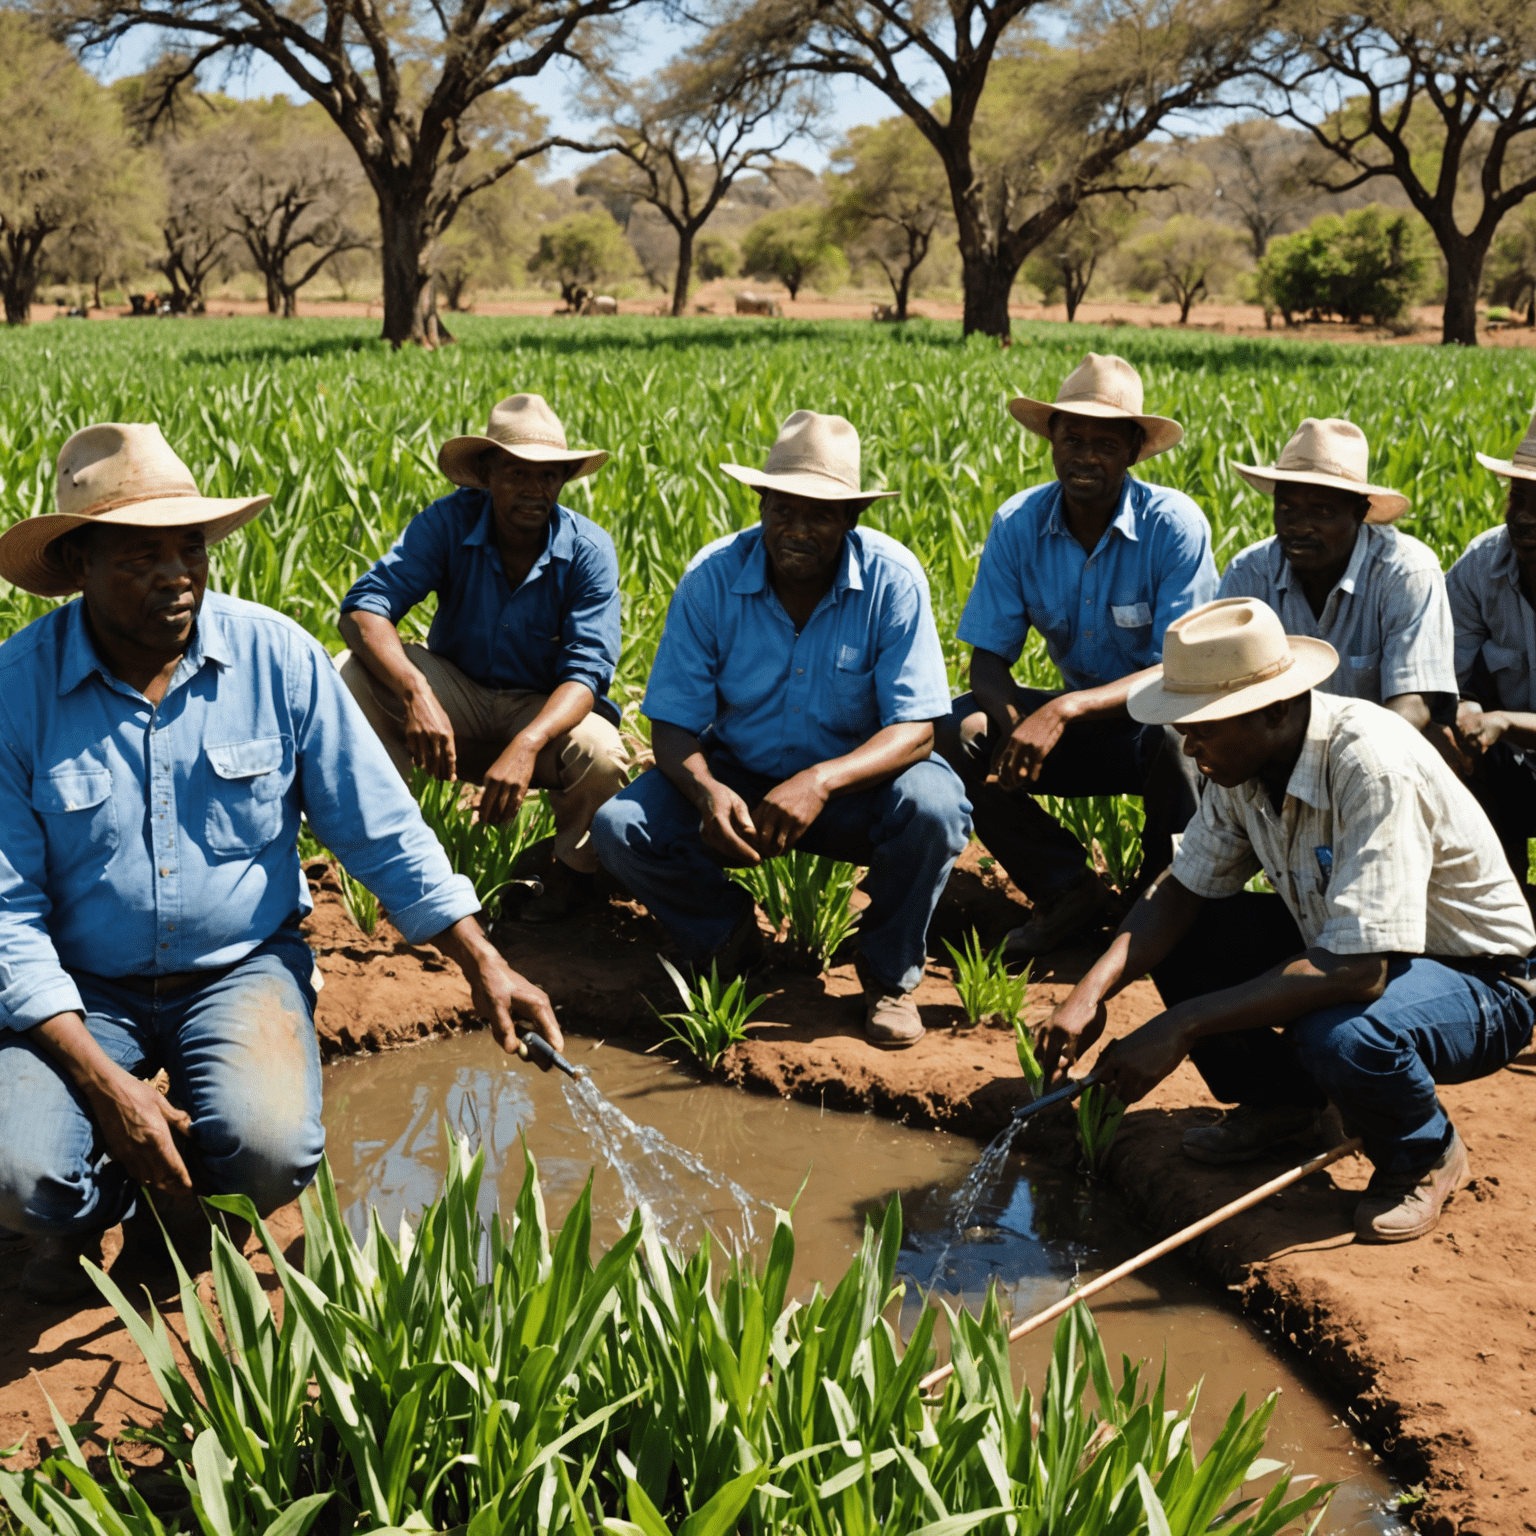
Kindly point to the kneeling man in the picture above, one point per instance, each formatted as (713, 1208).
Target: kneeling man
(792, 706)
(1394, 957)
(158, 743)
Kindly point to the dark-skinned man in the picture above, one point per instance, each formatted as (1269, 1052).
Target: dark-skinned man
(1334, 570)
(792, 706)
(1395, 955)
(158, 743)
(1492, 591)
(511, 688)
(1099, 563)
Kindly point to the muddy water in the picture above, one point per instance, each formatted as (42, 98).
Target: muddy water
(1041, 1231)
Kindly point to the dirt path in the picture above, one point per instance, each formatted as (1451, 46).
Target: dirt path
(1431, 1347)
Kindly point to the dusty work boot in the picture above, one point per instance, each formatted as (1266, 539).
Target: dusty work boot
(53, 1272)
(566, 892)
(1245, 1133)
(890, 1017)
(1070, 915)
(1399, 1207)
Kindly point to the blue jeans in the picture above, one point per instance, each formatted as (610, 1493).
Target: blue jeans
(1379, 1062)
(241, 1054)
(909, 832)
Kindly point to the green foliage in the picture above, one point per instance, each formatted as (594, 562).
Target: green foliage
(987, 991)
(1371, 264)
(362, 905)
(714, 1014)
(1108, 826)
(489, 1375)
(794, 246)
(716, 256)
(1029, 1063)
(813, 896)
(1098, 1121)
(1512, 261)
(1185, 259)
(580, 251)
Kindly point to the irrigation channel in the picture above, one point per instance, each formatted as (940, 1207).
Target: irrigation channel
(1038, 1232)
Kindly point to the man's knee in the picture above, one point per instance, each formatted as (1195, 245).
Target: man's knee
(593, 754)
(933, 806)
(270, 1165)
(45, 1192)
(1345, 1048)
(618, 826)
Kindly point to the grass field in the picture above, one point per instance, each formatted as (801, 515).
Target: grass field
(344, 432)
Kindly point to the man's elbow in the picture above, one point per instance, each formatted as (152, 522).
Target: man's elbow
(1413, 707)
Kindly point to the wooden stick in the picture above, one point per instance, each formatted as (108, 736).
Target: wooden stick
(1157, 1250)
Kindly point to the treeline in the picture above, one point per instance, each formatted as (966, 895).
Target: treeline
(1370, 154)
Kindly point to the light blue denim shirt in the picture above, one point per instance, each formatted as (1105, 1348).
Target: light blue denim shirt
(137, 840)
(1102, 615)
(1493, 622)
(730, 659)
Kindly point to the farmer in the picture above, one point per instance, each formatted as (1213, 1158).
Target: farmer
(511, 688)
(1394, 957)
(1099, 563)
(792, 706)
(1334, 570)
(158, 743)
(1493, 605)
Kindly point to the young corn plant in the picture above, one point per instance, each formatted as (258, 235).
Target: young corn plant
(1098, 1120)
(1109, 827)
(714, 1015)
(361, 904)
(809, 898)
(1029, 1063)
(988, 993)
(487, 855)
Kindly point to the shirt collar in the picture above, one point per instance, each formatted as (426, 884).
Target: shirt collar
(1505, 565)
(1353, 572)
(1309, 778)
(753, 576)
(210, 642)
(559, 542)
(1123, 522)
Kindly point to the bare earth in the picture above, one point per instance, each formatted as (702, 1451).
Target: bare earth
(1431, 1347)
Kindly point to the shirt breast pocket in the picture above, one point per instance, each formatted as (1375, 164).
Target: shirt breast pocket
(855, 707)
(1131, 615)
(246, 786)
(1365, 675)
(78, 815)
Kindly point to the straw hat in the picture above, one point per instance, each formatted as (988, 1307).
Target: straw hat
(815, 456)
(524, 425)
(1228, 658)
(1332, 453)
(1105, 387)
(124, 473)
(1522, 466)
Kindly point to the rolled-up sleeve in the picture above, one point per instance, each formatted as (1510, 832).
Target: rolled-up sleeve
(361, 810)
(589, 631)
(995, 617)
(416, 564)
(1215, 856)
(34, 986)
(910, 680)
(681, 690)
(1418, 637)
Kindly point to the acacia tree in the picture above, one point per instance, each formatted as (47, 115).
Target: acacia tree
(194, 223)
(1261, 176)
(1129, 66)
(1184, 258)
(1437, 95)
(1066, 260)
(407, 86)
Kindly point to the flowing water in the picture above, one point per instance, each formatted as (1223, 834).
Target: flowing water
(706, 1157)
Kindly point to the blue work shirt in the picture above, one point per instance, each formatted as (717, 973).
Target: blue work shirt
(560, 626)
(1103, 614)
(730, 661)
(138, 840)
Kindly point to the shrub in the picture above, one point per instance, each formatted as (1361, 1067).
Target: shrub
(793, 247)
(716, 256)
(811, 897)
(1371, 264)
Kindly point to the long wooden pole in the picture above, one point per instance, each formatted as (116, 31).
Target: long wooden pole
(1157, 1250)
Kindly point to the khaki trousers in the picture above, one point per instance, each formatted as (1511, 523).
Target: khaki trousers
(581, 770)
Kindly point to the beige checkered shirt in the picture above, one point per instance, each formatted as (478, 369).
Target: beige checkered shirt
(1377, 849)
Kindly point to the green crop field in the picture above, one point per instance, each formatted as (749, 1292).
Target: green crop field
(344, 433)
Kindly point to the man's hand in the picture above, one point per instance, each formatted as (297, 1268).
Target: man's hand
(1482, 732)
(428, 733)
(136, 1122)
(786, 812)
(500, 996)
(1023, 753)
(1071, 1029)
(507, 782)
(726, 825)
(1131, 1068)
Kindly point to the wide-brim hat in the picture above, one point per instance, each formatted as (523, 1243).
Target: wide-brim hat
(1332, 453)
(525, 426)
(1228, 658)
(122, 473)
(814, 455)
(1522, 466)
(1106, 387)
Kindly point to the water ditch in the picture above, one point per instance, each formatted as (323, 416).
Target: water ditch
(1037, 1233)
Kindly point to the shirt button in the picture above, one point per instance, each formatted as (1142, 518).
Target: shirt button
(165, 946)
(1089, 633)
(797, 709)
(799, 671)
(165, 871)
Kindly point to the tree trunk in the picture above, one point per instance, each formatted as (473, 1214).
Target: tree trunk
(18, 303)
(1463, 277)
(903, 289)
(684, 272)
(988, 280)
(290, 300)
(276, 296)
(403, 243)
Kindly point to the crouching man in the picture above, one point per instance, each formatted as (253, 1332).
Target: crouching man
(1394, 956)
(158, 743)
(792, 706)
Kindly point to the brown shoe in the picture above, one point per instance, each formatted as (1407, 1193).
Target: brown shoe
(1399, 1207)
(566, 892)
(1071, 914)
(53, 1272)
(1245, 1133)
(890, 1018)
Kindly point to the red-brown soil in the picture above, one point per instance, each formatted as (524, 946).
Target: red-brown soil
(1430, 1347)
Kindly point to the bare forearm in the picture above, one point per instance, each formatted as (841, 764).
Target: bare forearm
(465, 943)
(889, 752)
(680, 757)
(1413, 707)
(66, 1041)
(376, 643)
(993, 688)
(1520, 728)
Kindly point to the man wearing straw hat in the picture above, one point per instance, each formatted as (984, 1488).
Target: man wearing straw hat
(1395, 955)
(158, 743)
(511, 688)
(792, 706)
(1099, 563)
(1493, 606)
(1336, 571)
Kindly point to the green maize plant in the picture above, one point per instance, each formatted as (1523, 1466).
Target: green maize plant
(1029, 1063)
(1098, 1122)
(488, 1378)
(1108, 826)
(809, 898)
(362, 905)
(713, 1017)
(987, 992)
